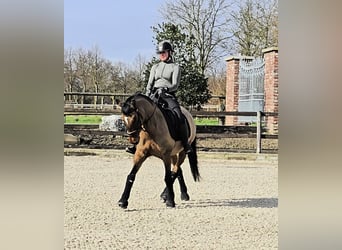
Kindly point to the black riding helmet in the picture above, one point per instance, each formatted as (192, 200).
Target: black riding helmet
(164, 46)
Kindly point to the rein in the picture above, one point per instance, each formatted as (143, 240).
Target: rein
(154, 110)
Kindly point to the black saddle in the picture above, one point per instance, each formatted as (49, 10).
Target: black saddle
(172, 120)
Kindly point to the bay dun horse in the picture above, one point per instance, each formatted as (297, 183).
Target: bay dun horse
(147, 127)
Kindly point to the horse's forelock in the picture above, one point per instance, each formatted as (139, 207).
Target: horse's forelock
(126, 109)
(128, 106)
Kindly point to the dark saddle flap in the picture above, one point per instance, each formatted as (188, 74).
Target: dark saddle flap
(172, 120)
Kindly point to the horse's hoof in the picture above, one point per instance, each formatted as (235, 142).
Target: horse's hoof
(185, 197)
(123, 204)
(170, 204)
(163, 197)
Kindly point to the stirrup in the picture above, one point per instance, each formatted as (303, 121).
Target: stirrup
(187, 149)
(131, 150)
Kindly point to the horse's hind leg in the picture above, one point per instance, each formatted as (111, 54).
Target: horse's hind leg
(170, 177)
(183, 188)
(177, 161)
(164, 194)
(184, 191)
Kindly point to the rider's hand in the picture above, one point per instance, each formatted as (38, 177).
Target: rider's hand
(160, 91)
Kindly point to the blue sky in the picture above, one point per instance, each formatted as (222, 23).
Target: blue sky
(120, 29)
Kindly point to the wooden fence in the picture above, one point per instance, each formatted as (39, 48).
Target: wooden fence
(103, 109)
(206, 131)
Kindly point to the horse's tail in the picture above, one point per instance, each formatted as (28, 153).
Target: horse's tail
(192, 156)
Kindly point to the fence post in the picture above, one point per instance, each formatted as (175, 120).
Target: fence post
(259, 131)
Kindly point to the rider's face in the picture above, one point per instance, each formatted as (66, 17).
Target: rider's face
(164, 55)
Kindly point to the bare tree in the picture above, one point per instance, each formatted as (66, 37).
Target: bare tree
(217, 81)
(255, 26)
(98, 70)
(139, 66)
(86, 70)
(71, 81)
(83, 68)
(206, 22)
(128, 79)
(69, 70)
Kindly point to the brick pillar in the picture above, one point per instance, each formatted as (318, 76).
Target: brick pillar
(232, 88)
(271, 87)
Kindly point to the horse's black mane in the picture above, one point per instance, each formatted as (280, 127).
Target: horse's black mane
(139, 94)
(129, 105)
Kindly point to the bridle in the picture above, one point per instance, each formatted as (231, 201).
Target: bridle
(135, 131)
(140, 124)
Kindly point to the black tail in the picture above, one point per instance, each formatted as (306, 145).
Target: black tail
(193, 161)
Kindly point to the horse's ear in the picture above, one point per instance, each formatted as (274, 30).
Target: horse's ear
(133, 102)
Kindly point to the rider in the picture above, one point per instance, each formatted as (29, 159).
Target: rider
(164, 80)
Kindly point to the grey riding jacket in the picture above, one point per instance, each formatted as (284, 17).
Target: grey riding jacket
(164, 75)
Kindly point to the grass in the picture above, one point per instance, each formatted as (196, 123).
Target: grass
(96, 119)
(207, 121)
(83, 119)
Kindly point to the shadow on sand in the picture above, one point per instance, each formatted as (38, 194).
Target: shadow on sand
(242, 203)
(246, 203)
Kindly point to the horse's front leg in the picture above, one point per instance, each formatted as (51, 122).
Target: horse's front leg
(123, 202)
(169, 180)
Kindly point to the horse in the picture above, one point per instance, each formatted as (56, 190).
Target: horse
(148, 129)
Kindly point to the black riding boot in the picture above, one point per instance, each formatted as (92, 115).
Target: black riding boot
(184, 138)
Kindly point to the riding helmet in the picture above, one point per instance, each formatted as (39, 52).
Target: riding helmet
(164, 46)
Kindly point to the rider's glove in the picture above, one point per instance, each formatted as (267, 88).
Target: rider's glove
(160, 91)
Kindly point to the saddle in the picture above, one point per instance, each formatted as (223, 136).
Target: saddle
(172, 119)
